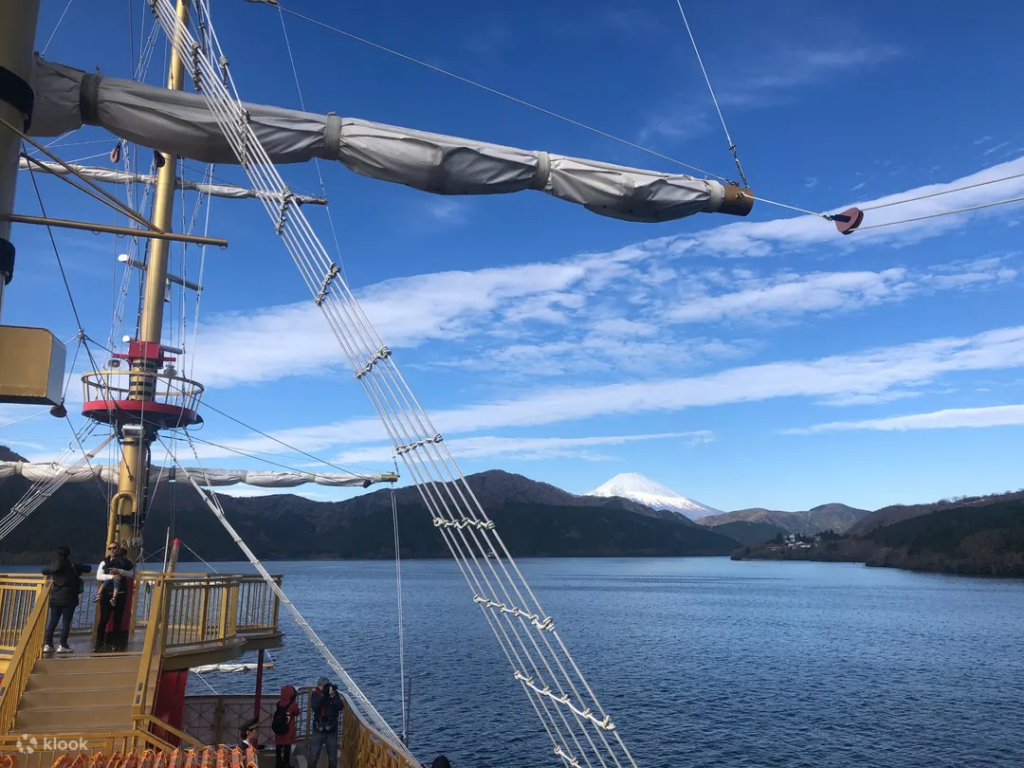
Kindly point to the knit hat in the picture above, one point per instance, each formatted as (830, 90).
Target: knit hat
(322, 682)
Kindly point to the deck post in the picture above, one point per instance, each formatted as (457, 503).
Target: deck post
(259, 684)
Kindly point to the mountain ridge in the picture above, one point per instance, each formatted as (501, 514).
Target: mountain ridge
(534, 520)
(824, 517)
(651, 493)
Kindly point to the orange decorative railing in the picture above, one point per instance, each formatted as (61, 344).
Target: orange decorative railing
(126, 749)
(45, 751)
(29, 648)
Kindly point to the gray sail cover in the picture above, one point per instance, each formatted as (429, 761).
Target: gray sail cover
(181, 124)
(45, 472)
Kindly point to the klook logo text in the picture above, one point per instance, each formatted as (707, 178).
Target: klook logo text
(29, 744)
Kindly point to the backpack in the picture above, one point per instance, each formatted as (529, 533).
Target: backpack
(280, 724)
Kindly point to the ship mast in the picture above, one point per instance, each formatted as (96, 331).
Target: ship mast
(17, 35)
(146, 355)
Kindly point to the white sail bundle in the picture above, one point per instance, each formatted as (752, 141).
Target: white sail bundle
(111, 176)
(42, 472)
(182, 124)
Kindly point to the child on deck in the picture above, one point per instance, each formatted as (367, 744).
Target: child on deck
(115, 562)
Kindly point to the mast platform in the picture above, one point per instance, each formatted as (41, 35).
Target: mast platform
(114, 397)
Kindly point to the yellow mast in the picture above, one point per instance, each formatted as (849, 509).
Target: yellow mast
(123, 526)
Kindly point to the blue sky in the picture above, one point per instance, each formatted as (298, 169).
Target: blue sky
(758, 362)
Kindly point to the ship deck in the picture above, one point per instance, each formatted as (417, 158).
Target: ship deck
(112, 702)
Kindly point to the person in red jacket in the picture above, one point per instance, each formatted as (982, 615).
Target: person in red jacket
(283, 725)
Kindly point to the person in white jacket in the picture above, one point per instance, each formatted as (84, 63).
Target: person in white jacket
(105, 574)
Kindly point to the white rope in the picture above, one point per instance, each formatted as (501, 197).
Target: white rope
(479, 551)
(943, 192)
(212, 569)
(39, 492)
(199, 296)
(316, 160)
(25, 418)
(401, 619)
(59, 22)
(358, 699)
(943, 213)
(732, 144)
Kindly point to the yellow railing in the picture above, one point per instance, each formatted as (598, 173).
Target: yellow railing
(152, 653)
(203, 608)
(362, 747)
(18, 597)
(29, 648)
(258, 606)
(145, 724)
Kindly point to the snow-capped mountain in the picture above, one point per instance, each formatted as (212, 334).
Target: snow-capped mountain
(632, 485)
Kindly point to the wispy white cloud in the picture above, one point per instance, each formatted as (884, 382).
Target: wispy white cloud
(750, 239)
(871, 373)
(793, 68)
(791, 294)
(995, 148)
(600, 312)
(952, 418)
(787, 295)
(982, 140)
(859, 186)
(527, 448)
(446, 210)
(779, 75)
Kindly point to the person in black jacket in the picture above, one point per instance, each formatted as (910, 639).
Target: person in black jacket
(67, 585)
(326, 706)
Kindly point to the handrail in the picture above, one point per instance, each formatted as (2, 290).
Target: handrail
(361, 744)
(151, 720)
(152, 650)
(29, 649)
(17, 599)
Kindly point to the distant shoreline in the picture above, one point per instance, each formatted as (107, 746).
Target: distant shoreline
(8, 559)
(882, 557)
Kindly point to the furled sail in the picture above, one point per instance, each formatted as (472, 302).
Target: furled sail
(181, 124)
(111, 176)
(209, 478)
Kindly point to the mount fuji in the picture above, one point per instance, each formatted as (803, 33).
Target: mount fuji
(636, 487)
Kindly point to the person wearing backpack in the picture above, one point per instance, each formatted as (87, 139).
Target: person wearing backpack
(283, 725)
(64, 596)
(326, 706)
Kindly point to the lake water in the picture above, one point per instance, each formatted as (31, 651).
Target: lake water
(700, 661)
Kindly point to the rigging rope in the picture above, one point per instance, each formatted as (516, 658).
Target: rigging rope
(401, 620)
(316, 160)
(206, 404)
(214, 570)
(59, 22)
(721, 117)
(25, 418)
(40, 491)
(944, 213)
(358, 699)
(569, 711)
(60, 265)
(940, 193)
(550, 113)
(503, 95)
